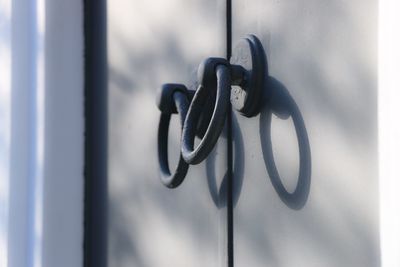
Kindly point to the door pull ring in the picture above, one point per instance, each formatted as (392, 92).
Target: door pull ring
(172, 98)
(214, 74)
(240, 81)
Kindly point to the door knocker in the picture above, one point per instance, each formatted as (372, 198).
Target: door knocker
(245, 82)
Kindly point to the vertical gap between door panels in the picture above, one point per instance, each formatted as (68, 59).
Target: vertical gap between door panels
(95, 144)
(229, 143)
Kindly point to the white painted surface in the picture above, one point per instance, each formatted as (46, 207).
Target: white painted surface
(150, 43)
(325, 53)
(63, 192)
(23, 154)
(5, 119)
(63, 161)
(41, 161)
(389, 131)
(340, 38)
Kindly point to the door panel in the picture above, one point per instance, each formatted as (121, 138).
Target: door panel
(149, 224)
(324, 53)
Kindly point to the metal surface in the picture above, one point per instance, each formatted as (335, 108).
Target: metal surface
(149, 224)
(248, 53)
(178, 96)
(165, 99)
(324, 53)
(219, 81)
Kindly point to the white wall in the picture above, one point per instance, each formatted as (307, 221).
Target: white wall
(41, 133)
(23, 146)
(5, 114)
(64, 134)
(389, 131)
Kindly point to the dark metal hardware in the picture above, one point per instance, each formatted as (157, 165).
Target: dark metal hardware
(250, 68)
(213, 73)
(246, 83)
(172, 98)
(246, 72)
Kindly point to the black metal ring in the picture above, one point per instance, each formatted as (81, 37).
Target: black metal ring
(171, 180)
(196, 155)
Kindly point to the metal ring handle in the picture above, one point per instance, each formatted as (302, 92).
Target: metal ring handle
(168, 179)
(196, 155)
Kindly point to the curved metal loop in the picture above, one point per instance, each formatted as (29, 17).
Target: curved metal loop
(181, 104)
(220, 80)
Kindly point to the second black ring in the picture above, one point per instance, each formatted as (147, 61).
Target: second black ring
(171, 180)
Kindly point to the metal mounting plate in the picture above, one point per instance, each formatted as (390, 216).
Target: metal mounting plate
(249, 53)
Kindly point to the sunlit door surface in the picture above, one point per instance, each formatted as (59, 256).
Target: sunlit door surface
(324, 53)
(150, 43)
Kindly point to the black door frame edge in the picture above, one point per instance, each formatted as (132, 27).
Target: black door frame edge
(96, 143)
